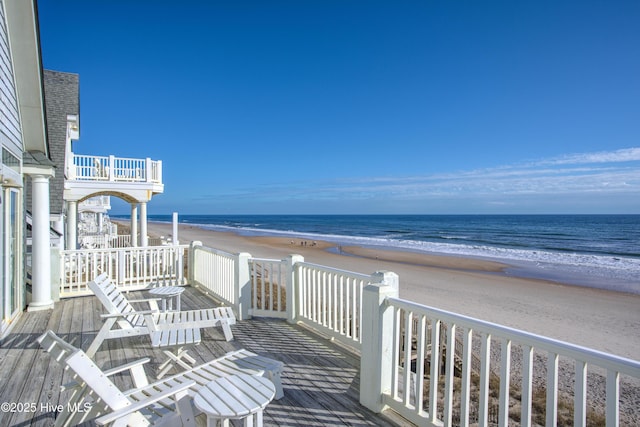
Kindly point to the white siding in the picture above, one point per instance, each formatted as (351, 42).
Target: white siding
(10, 134)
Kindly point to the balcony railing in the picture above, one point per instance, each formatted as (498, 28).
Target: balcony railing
(431, 366)
(96, 202)
(419, 369)
(132, 268)
(113, 169)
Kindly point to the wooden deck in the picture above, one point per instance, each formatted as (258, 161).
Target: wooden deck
(321, 380)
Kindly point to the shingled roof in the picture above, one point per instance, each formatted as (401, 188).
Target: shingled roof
(62, 97)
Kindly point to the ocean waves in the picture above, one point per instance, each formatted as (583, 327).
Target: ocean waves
(590, 250)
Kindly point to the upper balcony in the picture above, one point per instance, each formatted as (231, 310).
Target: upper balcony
(87, 175)
(98, 204)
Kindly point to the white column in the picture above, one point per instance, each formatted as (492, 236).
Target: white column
(72, 225)
(41, 249)
(134, 224)
(376, 362)
(174, 236)
(292, 290)
(243, 285)
(143, 225)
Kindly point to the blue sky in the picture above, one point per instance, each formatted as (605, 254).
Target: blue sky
(361, 106)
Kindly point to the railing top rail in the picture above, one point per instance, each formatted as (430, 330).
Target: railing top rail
(128, 249)
(253, 259)
(598, 358)
(214, 251)
(92, 156)
(336, 270)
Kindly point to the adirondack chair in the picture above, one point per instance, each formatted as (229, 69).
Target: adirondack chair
(166, 329)
(165, 402)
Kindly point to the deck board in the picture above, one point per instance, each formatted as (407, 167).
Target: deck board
(320, 379)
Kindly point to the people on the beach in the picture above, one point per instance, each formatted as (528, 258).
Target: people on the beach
(305, 243)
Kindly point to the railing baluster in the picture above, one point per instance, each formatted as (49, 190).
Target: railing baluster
(505, 377)
(449, 374)
(408, 335)
(466, 377)
(421, 352)
(485, 372)
(613, 398)
(527, 385)
(280, 286)
(552, 389)
(341, 306)
(580, 395)
(323, 298)
(353, 309)
(395, 354)
(435, 370)
(263, 285)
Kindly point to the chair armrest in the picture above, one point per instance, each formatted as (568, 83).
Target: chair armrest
(127, 410)
(131, 313)
(126, 366)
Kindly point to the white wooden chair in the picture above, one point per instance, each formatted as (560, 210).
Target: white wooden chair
(166, 329)
(165, 402)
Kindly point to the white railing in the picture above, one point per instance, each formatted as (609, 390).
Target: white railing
(268, 287)
(418, 349)
(323, 298)
(107, 241)
(431, 366)
(214, 272)
(330, 299)
(114, 169)
(131, 268)
(120, 241)
(102, 202)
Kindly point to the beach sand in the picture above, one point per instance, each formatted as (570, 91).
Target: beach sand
(600, 319)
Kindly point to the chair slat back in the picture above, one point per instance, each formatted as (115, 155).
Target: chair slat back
(113, 299)
(58, 348)
(95, 379)
(74, 358)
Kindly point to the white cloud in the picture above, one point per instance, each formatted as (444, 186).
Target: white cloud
(601, 177)
(617, 156)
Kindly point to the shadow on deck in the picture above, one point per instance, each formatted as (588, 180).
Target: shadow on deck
(321, 380)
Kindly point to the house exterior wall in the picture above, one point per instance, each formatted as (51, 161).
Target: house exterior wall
(10, 131)
(12, 289)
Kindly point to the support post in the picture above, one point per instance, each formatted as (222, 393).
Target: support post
(72, 225)
(193, 247)
(41, 249)
(134, 224)
(174, 235)
(243, 286)
(376, 363)
(112, 168)
(147, 170)
(292, 287)
(388, 278)
(144, 239)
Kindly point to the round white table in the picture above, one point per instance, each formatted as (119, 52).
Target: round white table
(168, 293)
(235, 397)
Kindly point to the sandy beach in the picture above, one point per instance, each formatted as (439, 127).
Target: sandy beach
(600, 319)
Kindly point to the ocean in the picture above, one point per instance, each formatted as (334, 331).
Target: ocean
(600, 251)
